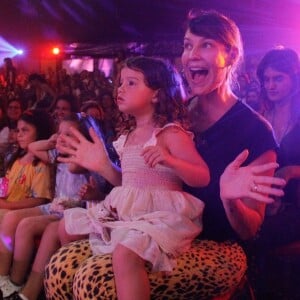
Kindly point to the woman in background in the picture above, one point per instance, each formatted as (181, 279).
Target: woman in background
(279, 76)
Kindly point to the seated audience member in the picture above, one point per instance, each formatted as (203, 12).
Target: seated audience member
(253, 99)
(28, 178)
(44, 95)
(239, 148)
(4, 138)
(92, 108)
(20, 228)
(14, 111)
(64, 106)
(4, 129)
(279, 75)
(111, 115)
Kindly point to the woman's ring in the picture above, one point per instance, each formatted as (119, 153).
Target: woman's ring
(254, 188)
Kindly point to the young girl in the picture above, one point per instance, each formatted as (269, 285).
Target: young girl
(28, 178)
(148, 218)
(21, 227)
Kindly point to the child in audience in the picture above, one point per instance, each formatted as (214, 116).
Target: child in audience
(147, 217)
(21, 228)
(27, 178)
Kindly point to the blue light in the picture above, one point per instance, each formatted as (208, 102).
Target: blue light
(8, 50)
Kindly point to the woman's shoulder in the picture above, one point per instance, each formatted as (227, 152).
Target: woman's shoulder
(245, 117)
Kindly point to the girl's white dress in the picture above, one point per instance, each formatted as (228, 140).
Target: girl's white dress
(149, 213)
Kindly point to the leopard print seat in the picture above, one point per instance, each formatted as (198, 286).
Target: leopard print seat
(208, 270)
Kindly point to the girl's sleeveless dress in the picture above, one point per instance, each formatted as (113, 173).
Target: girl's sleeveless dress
(149, 213)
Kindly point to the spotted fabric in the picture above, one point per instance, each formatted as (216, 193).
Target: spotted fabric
(207, 270)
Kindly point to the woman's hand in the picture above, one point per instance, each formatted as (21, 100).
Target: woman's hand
(239, 182)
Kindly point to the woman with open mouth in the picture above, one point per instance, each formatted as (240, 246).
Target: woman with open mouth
(239, 148)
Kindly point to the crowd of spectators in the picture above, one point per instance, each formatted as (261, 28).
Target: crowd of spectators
(84, 91)
(88, 92)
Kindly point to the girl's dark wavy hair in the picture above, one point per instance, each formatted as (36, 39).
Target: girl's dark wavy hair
(283, 60)
(162, 77)
(44, 125)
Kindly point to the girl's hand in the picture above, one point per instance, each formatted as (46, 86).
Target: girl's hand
(246, 182)
(154, 155)
(89, 191)
(78, 150)
(52, 141)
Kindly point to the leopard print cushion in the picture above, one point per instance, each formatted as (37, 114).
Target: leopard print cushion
(207, 270)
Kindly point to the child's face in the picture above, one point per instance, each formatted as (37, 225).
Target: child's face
(134, 96)
(64, 129)
(26, 134)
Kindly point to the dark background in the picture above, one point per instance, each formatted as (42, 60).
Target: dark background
(31, 23)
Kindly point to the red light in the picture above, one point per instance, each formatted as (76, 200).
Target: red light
(55, 51)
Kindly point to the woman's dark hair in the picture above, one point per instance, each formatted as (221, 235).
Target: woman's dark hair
(216, 26)
(44, 125)
(283, 60)
(160, 76)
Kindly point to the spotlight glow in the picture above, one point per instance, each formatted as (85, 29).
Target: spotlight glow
(55, 50)
(8, 50)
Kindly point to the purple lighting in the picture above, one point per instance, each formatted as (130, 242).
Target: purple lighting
(7, 242)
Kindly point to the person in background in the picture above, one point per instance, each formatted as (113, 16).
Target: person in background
(13, 112)
(28, 178)
(23, 226)
(4, 138)
(4, 129)
(242, 87)
(92, 108)
(10, 74)
(64, 106)
(111, 115)
(279, 76)
(253, 99)
(44, 95)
